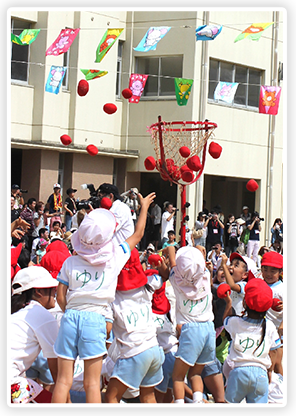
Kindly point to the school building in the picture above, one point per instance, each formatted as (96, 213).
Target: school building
(252, 143)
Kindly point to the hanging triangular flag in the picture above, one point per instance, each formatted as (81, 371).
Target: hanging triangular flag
(26, 37)
(107, 41)
(183, 89)
(152, 37)
(93, 73)
(253, 32)
(136, 85)
(62, 42)
(225, 91)
(207, 32)
(269, 100)
(55, 79)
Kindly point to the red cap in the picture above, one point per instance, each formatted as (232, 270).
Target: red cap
(258, 295)
(222, 290)
(132, 275)
(53, 260)
(154, 258)
(160, 303)
(273, 259)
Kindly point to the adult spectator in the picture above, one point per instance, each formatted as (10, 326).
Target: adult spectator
(245, 215)
(253, 244)
(232, 233)
(14, 212)
(130, 198)
(19, 200)
(28, 215)
(277, 231)
(200, 227)
(70, 207)
(215, 227)
(55, 205)
(156, 218)
(167, 222)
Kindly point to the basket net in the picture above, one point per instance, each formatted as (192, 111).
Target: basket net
(168, 137)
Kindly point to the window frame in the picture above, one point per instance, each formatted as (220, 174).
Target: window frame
(15, 80)
(65, 82)
(119, 71)
(234, 66)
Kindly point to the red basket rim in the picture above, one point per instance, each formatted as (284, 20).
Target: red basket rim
(205, 125)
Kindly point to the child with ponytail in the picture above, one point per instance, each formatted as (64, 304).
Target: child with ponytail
(253, 337)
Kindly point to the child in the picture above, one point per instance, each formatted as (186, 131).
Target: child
(236, 276)
(56, 232)
(195, 316)
(41, 249)
(271, 268)
(87, 285)
(139, 365)
(215, 255)
(253, 336)
(171, 239)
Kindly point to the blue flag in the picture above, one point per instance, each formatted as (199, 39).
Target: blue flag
(55, 79)
(225, 91)
(207, 32)
(152, 37)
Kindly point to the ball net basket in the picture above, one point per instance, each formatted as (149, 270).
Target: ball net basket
(167, 139)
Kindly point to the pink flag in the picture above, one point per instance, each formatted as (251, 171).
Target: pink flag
(136, 85)
(63, 42)
(269, 100)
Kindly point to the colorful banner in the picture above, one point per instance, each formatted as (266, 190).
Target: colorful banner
(207, 32)
(55, 79)
(269, 100)
(225, 91)
(107, 41)
(62, 42)
(152, 37)
(253, 32)
(93, 73)
(26, 37)
(136, 85)
(182, 89)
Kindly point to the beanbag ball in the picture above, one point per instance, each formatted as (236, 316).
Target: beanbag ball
(126, 93)
(215, 150)
(184, 151)
(110, 108)
(82, 88)
(222, 290)
(106, 203)
(187, 175)
(252, 185)
(92, 149)
(275, 304)
(150, 163)
(154, 258)
(65, 139)
(194, 163)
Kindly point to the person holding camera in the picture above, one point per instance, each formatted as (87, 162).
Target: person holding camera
(215, 227)
(253, 244)
(70, 207)
(167, 222)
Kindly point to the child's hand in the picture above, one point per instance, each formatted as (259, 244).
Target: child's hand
(224, 259)
(145, 202)
(209, 266)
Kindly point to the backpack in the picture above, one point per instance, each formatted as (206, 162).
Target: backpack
(244, 238)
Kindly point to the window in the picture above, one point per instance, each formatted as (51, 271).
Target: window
(161, 71)
(119, 68)
(249, 80)
(65, 82)
(19, 53)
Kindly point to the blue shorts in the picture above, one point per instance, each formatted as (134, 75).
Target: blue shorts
(167, 368)
(211, 369)
(250, 382)
(39, 369)
(141, 370)
(81, 333)
(197, 343)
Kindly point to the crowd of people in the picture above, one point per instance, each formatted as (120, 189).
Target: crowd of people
(107, 306)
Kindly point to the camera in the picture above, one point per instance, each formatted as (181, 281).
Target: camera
(24, 191)
(261, 219)
(93, 200)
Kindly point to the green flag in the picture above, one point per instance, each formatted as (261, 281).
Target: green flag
(26, 37)
(93, 73)
(107, 41)
(182, 89)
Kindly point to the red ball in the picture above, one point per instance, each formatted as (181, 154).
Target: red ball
(176, 174)
(110, 108)
(170, 162)
(184, 151)
(92, 149)
(187, 176)
(215, 150)
(150, 163)
(83, 87)
(194, 163)
(222, 290)
(252, 185)
(154, 258)
(65, 139)
(275, 304)
(126, 93)
(106, 203)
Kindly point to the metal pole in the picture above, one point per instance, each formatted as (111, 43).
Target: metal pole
(183, 214)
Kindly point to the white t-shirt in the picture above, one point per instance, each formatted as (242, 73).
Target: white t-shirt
(276, 388)
(277, 290)
(34, 245)
(166, 226)
(125, 227)
(246, 336)
(188, 310)
(133, 325)
(92, 287)
(156, 212)
(166, 332)
(31, 329)
(237, 298)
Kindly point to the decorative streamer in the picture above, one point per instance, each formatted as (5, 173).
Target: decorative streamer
(225, 91)
(106, 42)
(62, 42)
(269, 100)
(26, 37)
(136, 85)
(183, 89)
(93, 73)
(55, 79)
(207, 32)
(152, 37)
(253, 32)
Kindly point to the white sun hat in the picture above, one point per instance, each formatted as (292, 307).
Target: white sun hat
(32, 277)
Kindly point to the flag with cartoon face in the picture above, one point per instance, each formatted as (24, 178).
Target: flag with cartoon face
(62, 42)
(182, 90)
(152, 37)
(26, 37)
(106, 42)
(207, 32)
(253, 32)
(225, 91)
(269, 100)
(136, 85)
(55, 79)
